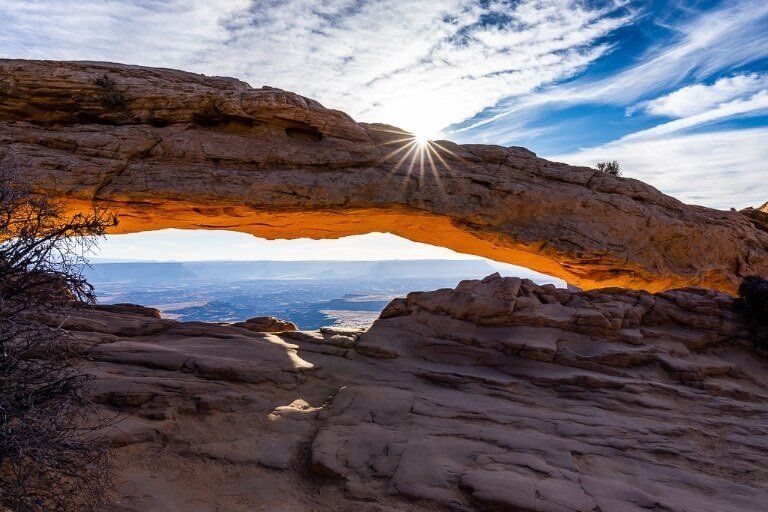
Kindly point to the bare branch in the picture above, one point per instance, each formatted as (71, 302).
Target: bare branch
(50, 456)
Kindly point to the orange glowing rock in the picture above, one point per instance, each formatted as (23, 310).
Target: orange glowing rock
(166, 148)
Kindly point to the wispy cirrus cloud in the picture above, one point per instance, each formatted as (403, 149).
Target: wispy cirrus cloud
(756, 104)
(416, 63)
(170, 33)
(425, 65)
(707, 43)
(720, 39)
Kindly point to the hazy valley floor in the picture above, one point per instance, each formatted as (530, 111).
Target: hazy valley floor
(311, 294)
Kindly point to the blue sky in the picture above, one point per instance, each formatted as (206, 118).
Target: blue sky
(676, 91)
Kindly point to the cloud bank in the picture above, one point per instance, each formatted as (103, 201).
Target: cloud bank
(699, 98)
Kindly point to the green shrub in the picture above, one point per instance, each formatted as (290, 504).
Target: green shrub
(611, 167)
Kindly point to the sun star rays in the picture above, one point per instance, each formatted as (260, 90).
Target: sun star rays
(418, 155)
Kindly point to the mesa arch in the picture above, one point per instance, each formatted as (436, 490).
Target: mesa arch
(166, 148)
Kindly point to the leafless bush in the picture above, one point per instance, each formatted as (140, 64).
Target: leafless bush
(110, 97)
(609, 168)
(50, 457)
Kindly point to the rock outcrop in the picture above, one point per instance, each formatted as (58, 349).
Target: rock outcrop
(759, 216)
(266, 324)
(166, 148)
(496, 395)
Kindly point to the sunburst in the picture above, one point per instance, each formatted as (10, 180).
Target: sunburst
(421, 140)
(419, 155)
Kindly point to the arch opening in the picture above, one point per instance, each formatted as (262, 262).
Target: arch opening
(412, 224)
(224, 276)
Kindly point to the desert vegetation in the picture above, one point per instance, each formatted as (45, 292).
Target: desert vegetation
(110, 97)
(611, 167)
(51, 458)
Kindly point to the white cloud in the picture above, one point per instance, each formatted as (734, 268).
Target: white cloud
(709, 43)
(721, 169)
(169, 33)
(420, 64)
(700, 104)
(719, 39)
(699, 98)
(753, 105)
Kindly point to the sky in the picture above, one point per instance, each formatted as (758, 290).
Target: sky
(201, 245)
(676, 91)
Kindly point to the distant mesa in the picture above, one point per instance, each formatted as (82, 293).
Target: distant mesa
(184, 150)
(160, 272)
(312, 294)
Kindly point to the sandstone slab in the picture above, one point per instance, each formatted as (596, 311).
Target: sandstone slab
(495, 395)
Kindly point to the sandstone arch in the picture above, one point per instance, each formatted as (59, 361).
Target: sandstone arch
(172, 149)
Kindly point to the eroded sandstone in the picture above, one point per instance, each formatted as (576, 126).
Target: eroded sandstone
(266, 324)
(166, 148)
(496, 395)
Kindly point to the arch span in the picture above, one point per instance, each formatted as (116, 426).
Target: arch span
(189, 151)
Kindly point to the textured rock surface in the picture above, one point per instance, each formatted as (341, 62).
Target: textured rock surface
(759, 216)
(266, 324)
(496, 395)
(171, 149)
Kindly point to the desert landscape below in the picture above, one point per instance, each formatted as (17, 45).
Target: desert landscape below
(312, 294)
(496, 395)
(641, 390)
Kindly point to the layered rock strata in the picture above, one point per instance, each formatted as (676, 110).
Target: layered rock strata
(496, 395)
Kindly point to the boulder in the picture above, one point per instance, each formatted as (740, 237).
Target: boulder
(266, 324)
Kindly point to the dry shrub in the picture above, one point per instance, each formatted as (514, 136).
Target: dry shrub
(51, 458)
(110, 96)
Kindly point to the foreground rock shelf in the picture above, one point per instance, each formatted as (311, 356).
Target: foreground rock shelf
(496, 395)
(166, 148)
